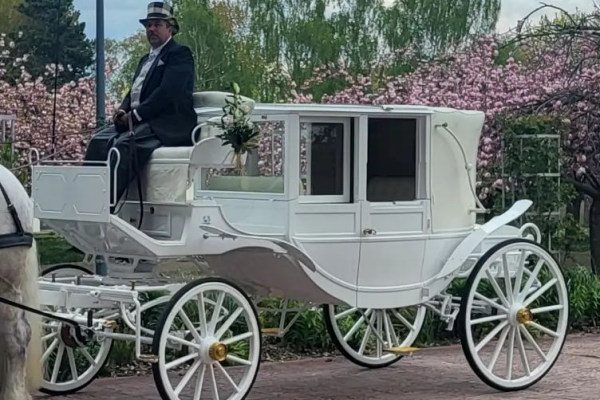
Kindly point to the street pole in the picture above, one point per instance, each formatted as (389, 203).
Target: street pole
(100, 67)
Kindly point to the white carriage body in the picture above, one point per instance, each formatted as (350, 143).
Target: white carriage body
(370, 216)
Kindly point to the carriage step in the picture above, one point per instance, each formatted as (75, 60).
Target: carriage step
(149, 358)
(270, 331)
(401, 350)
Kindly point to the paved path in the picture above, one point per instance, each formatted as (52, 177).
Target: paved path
(434, 374)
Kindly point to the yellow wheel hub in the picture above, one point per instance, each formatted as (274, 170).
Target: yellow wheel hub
(218, 351)
(524, 316)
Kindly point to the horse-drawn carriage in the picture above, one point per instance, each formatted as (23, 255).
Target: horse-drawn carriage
(366, 211)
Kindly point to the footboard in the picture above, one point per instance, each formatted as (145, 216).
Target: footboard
(71, 192)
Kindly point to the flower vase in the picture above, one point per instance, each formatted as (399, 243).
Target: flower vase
(239, 162)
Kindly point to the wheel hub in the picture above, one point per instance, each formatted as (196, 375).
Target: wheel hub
(218, 351)
(67, 337)
(524, 316)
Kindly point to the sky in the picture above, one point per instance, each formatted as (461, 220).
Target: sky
(121, 16)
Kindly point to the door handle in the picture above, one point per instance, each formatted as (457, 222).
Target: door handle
(369, 231)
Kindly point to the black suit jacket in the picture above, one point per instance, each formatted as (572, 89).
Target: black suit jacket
(166, 99)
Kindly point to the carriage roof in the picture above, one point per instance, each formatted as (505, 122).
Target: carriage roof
(331, 109)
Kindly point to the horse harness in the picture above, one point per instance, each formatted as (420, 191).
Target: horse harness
(72, 330)
(20, 238)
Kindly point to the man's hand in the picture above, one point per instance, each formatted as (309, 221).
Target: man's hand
(118, 115)
(121, 121)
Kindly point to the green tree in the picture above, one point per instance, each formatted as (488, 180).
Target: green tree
(436, 26)
(10, 17)
(51, 32)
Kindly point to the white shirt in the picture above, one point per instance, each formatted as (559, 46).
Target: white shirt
(136, 89)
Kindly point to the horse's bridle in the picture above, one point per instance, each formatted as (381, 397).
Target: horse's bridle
(19, 238)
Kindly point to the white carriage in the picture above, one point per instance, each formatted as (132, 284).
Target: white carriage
(366, 211)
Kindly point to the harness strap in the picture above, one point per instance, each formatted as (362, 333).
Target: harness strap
(135, 166)
(20, 237)
(13, 212)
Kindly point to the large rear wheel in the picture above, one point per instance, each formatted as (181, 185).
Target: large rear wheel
(514, 315)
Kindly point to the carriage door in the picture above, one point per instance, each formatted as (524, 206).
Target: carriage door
(394, 209)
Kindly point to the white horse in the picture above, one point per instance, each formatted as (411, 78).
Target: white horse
(20, 331)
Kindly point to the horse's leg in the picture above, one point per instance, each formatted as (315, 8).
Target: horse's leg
(18, 273)
(15, 334)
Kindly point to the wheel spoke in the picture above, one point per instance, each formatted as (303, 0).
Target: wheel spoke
(188, 323)
(488, 319)
(72, 365)
(519, 276)
(228, 322)
(188, 375)
(386, 326)
(363, 344)
(543, 329)
(395, 340)
(510, 351)
(356, 325)
(87, 355)
(498, 349)
(214, 387)
(491, 302)
(507, 282)
(490, 336)
(181, 360)
(183, 341)
(524, 359)
(202, 315)
(237, 338)
(532, 278)
(346, 313)
(49, 336)
(540, 292)
(547, 309)
(237, 389)
(379, 328)
(215, 315)
(199, 383)
(532, 341)
(57, 362)
(238, 360)
(403, 320)
(497, 289)
(49, 350)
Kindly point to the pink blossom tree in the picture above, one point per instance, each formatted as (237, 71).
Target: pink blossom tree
(60, 126)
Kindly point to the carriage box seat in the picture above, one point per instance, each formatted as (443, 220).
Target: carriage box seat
(168, 175)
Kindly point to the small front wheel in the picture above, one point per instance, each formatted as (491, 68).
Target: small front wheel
(68, 366)
(514, 315)
(208, 343)
(365, 336)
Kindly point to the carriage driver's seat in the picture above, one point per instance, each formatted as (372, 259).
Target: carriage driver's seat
(168, 175)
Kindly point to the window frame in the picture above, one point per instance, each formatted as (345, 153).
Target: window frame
(346, 175)
(201, 191)
(422, 148)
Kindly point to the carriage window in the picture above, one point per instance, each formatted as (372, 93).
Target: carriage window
(324, 160)
(392, 152)
(262, 170)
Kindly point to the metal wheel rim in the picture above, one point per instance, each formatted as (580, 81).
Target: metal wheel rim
(203, 368)
(518, 330)
(56, 346)
(374, 316)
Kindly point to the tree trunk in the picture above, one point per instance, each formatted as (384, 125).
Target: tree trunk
(594, 226)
